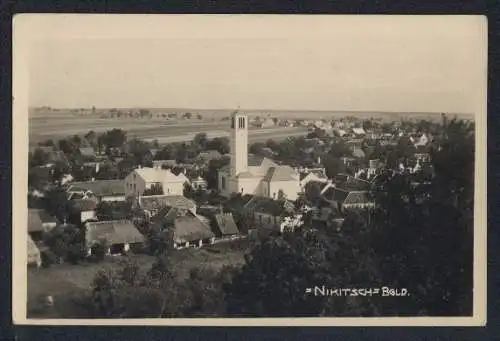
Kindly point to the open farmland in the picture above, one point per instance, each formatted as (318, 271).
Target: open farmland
(161, 130)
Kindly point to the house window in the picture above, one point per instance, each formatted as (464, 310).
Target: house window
(223, 182)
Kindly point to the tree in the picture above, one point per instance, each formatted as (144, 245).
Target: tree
(67, 242)
(312, 192)
(200, 140)
(56, 203)
(432, 255)
(301, 259)
(38, 158)
(221, 144)
(92, 139)
(115, 138)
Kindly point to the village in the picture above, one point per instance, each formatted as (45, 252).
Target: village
(101, 196)
(253, 192)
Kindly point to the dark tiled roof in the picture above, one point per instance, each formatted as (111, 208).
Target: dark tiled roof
(255, 160)
(155, 202)
(226, 224)
(115, 232)
(280, 173)
(358, 197)
(267, 206)
(335, 194)
(43, 215)
(100, 187)
(190, 228)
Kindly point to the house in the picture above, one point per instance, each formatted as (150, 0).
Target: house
(268, 213)
(168, 164)
(251, 174)
(117, 235)
(305, 178)
(82, 210)
(183, 228)
(356, 147)
(267, 123)
(35, 228)
(34, 255)
(346, 199)
(224, 225)
(359, 132)
(40, 216)
(198, 183)
(94, 165)
(87, 152)
(102, 190)
(421, 140)
(145, 178)
(152, 204)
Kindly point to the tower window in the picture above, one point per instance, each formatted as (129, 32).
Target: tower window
(241, 122)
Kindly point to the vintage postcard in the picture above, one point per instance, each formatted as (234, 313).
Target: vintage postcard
(253, 170)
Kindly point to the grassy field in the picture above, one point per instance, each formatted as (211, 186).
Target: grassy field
(66, 280)
(164, 132)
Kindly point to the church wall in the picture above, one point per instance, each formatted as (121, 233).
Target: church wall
(249, 186)
(290, 188)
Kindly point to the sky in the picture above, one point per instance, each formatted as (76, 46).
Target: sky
(258, 63)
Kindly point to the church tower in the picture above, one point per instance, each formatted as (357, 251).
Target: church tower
(239, 143)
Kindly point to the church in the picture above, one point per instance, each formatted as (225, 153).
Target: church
(252, 174)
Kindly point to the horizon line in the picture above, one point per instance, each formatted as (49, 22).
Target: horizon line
(259, 110)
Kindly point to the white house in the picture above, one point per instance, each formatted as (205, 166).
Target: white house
(250, 174)
(146, 178)
(312, 176)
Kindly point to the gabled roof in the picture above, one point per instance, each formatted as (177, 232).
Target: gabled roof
(155, 202)
(335, 194)
(188, 228)
(267, 206)
(226, 224)
(358, 131)
(33, 250)
(150, 174)
(358, 197)
(209, 155)
(114, 232)
(255, 160)
(99, 187)
(280, 173)
(44, 216)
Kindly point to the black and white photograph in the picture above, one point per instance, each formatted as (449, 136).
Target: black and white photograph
(249, 170)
